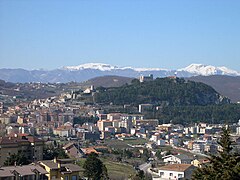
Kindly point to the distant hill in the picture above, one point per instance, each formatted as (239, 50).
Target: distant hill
(107, 81)
(175, 92)
(178, 100)
(29, 90)
(228, 86)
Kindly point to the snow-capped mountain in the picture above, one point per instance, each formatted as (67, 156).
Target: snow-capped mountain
(107, 67)
(97, 66)
(84, 72)
(196, 69)
(207, 70)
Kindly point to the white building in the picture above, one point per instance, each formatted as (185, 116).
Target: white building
(177, 159)
(161, 142)
(238, 130)
(198, 146)
(176, 171)
(155, 137)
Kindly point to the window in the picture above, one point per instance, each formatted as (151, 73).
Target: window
(161, 174)
(66, 178)
(170, 174)
(180, 175)
(74, 177)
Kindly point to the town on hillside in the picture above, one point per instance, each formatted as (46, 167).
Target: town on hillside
(52, 138)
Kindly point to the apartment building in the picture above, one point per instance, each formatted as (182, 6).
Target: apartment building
(30, 146)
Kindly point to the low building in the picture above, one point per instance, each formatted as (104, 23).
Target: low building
(176, 171)
(161, 142)
(198, 146)
(199, 162)
(177, 159)
(32, 171)
(60, 169)
(102, 124)
(64, 131)
(92, 136)
(72, 150)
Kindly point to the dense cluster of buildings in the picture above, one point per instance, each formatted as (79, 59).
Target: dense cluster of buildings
(25, 125)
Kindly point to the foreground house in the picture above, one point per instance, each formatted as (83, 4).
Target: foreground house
(32, 171)
(61, 169)
(176, 171)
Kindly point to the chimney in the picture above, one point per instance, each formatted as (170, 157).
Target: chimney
(59, 164)
(55, 160)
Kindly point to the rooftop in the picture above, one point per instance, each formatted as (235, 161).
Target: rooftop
(21, 170)
(175, 167)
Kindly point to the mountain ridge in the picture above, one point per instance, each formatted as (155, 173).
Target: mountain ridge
(91, 70)
(199, 69)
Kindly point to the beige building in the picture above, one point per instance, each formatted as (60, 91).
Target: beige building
(102, 124)
(62, 169)
(31, 171)
(30, 146)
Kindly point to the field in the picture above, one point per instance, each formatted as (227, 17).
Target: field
(118, 144)
(116, 170)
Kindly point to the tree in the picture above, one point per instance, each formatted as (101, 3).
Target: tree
(168, 152)
(139, 176)
(146, 155)
(50, 152)
(159, 155)
(94, 168)
(18, 159)
(225, 165)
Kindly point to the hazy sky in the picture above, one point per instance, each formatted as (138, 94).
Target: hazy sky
(141, 33)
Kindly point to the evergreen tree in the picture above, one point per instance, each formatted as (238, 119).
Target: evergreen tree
(225, 165)
(94, 168)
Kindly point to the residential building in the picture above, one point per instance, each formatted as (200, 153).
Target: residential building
(30, 146)
(93, 136)
(103, 123)
(28, 172)
(176, 171)
(161, 142)
(198, 146)
(177, 159)
(199, 162)
(60, 169)
(72, 150)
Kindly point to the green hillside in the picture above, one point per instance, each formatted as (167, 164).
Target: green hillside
(174, 92)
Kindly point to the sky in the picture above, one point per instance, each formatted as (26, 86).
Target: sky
(170, 34)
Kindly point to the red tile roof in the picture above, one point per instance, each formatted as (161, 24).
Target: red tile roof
(176, 167)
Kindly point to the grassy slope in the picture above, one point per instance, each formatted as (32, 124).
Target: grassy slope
(115, 170)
